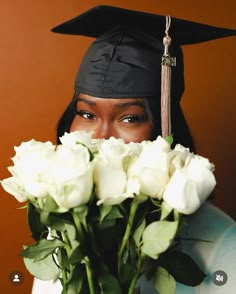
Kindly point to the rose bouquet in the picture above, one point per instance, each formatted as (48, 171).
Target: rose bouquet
(103, 213)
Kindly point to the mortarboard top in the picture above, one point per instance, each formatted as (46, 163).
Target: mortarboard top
(100, 19)
(125, 59)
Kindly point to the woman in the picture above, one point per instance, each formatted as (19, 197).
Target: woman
(117, 93)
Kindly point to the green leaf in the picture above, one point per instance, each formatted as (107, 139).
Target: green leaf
(80, 214)
(165, 210)
(54, 221)
(157, 237)
(126, 272)
(76, 281)
(105, 237)
(71, 234)
(128, 266)
(36, 227)
(45, 269)
(104, 211)
(41, 249)
(107, 282)
(169, 139)
(48, 204)
(114, 213)
(35, 201)
(156, 202)
(183, 268)
(177, 215)
(138, 233)
(106, 224)
(140, 198)
(62, 258)
(76, 255)
(23, 207)
(164, 283)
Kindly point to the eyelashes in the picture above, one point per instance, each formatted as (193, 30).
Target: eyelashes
(134, 118)
(128, 119)
(85, 114)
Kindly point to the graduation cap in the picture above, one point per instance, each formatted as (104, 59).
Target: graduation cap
(100, 19)
(125, 59)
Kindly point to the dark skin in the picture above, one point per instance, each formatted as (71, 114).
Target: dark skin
(119, 118)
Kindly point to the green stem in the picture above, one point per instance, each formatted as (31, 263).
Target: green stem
(89, 275)
(125, 239)
(80, 231)
(78, 225)
(64, 280)
(64, 270)
(67, 243)
(136, 276)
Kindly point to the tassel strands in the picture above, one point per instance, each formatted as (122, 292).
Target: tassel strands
(167, 62)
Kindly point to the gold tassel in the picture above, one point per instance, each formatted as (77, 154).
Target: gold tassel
(167, 62)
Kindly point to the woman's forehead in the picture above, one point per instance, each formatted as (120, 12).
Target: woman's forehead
(116, 102)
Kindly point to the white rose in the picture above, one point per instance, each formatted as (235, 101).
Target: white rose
(72, 139)
(70, 180)
(30, 168)
(179, 157)
(14, 187)
(134, 149)
(151, 167)
(190, 185)
(110, 173)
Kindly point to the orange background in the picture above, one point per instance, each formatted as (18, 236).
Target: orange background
(37, 75)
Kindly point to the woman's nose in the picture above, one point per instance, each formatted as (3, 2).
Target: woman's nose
(104, 131)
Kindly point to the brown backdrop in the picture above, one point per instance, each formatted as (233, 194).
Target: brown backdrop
(37, 74)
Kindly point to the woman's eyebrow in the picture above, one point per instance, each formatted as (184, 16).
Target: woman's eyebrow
(89, 102)
(118, 105)
(130, 103)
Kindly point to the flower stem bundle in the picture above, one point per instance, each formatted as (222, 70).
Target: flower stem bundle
(104, 213)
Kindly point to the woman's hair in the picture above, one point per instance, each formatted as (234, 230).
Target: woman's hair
(66, 119)
(180, 129)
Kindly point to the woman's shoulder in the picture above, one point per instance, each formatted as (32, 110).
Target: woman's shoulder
(207, 229)
(209, 237)
(209, 219)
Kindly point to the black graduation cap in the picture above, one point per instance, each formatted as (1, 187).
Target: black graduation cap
(125, 59)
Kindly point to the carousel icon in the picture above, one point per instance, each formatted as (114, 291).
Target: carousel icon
(219, 278)
(16, 277)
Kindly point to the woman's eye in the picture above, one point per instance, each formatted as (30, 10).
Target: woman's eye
(85, 114)
(133, 118)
